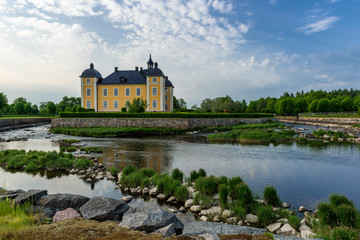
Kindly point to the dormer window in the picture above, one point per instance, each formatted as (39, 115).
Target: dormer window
(123, 80)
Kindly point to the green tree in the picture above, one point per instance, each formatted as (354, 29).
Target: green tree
(323, 105)
(240, 107)
(252, 107)
(347, 105)
(313, 106)
(334, 105)
(28, 108)
(206, 105)
(285, 106)
(271, 102)
(20, 99)
(3, 101)
(260, 105)
(19, 108)
(51, 108)
(176, 104)
(35, 109)
(301, 104)
(182, 104)
(137, 105)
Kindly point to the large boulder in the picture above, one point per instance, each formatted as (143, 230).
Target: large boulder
(102, 208)
(167, 231)
(197, 228)
(60, 201)
(9, 194)
(31, 196)
(149, 220)
(65, 214)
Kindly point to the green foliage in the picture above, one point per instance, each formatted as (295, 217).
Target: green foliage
(181, 193)
(70, 149)
(244, 195)
(113, 170)
(326, 214)
(237, 209)
(266, 215)
(223, 196)
(323, 105)
(91, 149)
(31, 166)
(294, 221)
(137, 105)
(177, 175)
(51, 108)
(3, 101)
(207, 185)
(123, 109)
(338, 199)
(271, 197)
(79, 109)
(313, 106)
(197, 174)
(344, 233)
(128, 170)
(82, 163)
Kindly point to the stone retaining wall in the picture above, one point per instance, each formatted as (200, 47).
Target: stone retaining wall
(14, 123)
(176, 123)
(322, 121)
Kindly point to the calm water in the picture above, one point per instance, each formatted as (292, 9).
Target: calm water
(303, 174)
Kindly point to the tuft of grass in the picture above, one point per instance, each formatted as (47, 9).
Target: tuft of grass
(271, 197)
(181, 193)
(344, 233)
(113, 170)
(91, 149)
(197, 174)
(128, 169)
(266, 215)
(207, 185)
(177, 175)
(294, 221)
(223, 196)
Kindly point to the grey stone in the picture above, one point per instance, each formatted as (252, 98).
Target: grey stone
(60, 201)
(167, 231)
(204, 218)
(149, 220)
(231, 220)
(302, 209)
(153, 191)
(216, 219)
(127, 198)
(211, 211)
(250, 218)
(31, 196)
(195, 208)
(109, 176)
(43, 212)
(161, 196)
(145, 191)
(273, 227)
(208, 236)
(283, 220)
(65, 214)
(287, 230)
(189, 203)
(307, 234)
(304, 227)
(171, 199)
(226, 213)
(182, 209)
(173, 210)
(101, 209)
(197, 228)
(10, 194)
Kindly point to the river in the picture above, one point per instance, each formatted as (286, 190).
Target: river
(304, 174)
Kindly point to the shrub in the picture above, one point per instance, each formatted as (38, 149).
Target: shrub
(82, 163)
(223, 180)
(81, 110)
(147, 172)
(344, 233)
(71, 149)
(266, 215)
(346, 215)
(337, 200)
(195, 175)
(244, 195)
(223, 195)
(271, 197)
(207, 185)
(237, 209)
(113, 170)
(177, 175)
(232, 185)
(123, 109)
(326, 214)
(206, 202)
(128, 169)
(181, 193)
(201, 173)
(32, 167)
(294, 221)
(134, 179)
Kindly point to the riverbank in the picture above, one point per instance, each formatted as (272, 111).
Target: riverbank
(333, 122)
(8, 124)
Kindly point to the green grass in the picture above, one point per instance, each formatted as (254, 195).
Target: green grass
(266, 215)
(271, 197)
(113, 170)
(115, 131)
(37, 160)
(13, 218)
(91, 149)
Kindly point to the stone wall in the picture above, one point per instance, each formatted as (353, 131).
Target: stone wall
(321, 121)
(176, 123)
(8, 124)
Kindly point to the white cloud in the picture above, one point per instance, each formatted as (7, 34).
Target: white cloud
(318, 26)
(334, 1)
(324, 77)
(272, 2)
(222, 6)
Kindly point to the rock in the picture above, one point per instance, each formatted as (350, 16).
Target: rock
(211, 211)
(149, 220)
(73, 171)
(195, 208)
(250, 218)
(65, 214)
(99, 177)
(171, 199)
(167, 231)
(191, 191)
(226, 213)
(260, 201)
(189, 203)
(109, 176)
(161, 196)
(204, 218)
(208, 236)
(303, 221)
(31, 196)
(283, 220)
(240, 223)
(304, 228)
(153, 191)
(231, 220)
(197, 228)
(127, 198)
(287, 230)
(285, 205)
(82, 172)
(41, 212)
(10, 194)
(102, 208)
(273, 227)
(307, 234)
(60, 201)
(172, 210)
(119, 175)
(145, 191)
(182, 209)
(216, 219)
(302, 209)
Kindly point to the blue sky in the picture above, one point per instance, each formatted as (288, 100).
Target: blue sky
(208, 48)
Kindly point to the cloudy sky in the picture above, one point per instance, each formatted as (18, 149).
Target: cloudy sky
(246, 49)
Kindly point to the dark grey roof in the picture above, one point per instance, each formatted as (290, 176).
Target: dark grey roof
(168, 83)
(153, 72)
(91, 72)
(131, 77)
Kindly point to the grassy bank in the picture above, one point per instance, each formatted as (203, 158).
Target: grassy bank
(115, 131)
(38, 160)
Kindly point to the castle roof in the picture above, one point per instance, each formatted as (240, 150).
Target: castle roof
(91, 72)
(125, 77)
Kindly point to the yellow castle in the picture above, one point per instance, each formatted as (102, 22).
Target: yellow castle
(110, 94)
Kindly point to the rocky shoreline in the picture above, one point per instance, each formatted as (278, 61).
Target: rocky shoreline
(60, 207)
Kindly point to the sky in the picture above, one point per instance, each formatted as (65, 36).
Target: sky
(246, 49)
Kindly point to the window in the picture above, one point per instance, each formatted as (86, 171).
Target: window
(105, 104)
(116, 92)
(154, 91)
(88, 80)
(166, 98)
(154, 80)
(166, 107)
(154, 104)
(105, 92)
(138, 91)
(88, 92)
(88, 104)
(127, 91)
(116, 104)
(166, 89)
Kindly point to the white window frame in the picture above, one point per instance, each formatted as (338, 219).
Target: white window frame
(154, 80)
(116, 104)
(154, 104)
(88, 104)
(105, 104)
(88, 92)
(88, 80)
(138, 89)
(154, 88)
(105, 90)
(116, 92)
(127, 94)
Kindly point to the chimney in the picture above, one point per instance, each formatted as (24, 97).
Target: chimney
(141, 68)
(116, 69)
(166, 77)
(156, 65)
(137, 69)
(91, 66)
